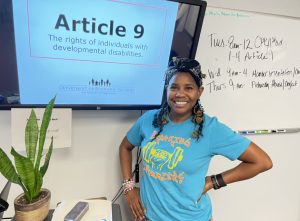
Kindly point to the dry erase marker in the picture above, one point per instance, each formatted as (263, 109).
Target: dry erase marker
(250, 132)
(288, 130)
(266, 131)
(246, 132)
(263, 131)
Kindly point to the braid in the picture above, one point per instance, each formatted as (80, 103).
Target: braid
(198, 120)
(160, 119)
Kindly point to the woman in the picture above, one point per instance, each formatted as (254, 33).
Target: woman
(178, 142)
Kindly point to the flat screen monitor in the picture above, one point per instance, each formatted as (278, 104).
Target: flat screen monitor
(93, 54)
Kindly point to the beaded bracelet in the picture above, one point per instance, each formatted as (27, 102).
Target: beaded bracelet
(127, 181)
(128, 185)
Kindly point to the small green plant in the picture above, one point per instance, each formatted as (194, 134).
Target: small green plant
(27, 171)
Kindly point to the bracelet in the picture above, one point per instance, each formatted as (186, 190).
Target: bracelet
(125, 191)
(127, 181)
(128, 185)
(214, 182)
(220, 180)
(217, 181)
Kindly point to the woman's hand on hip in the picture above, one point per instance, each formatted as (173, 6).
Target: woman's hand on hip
(134, 200)
(208, 185)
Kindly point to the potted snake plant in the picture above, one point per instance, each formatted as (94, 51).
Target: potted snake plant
(28, 171)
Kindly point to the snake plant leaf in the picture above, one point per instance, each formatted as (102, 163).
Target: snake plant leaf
(25, 169)
(31, 136)
(7, 168)
(38, 184)
(44, 168)
(43, 132)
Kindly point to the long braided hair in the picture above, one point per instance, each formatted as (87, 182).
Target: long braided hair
(176, 65)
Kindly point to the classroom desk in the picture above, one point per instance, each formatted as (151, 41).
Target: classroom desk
(116, 213)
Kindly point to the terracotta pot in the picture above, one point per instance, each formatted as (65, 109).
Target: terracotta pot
(36, 211)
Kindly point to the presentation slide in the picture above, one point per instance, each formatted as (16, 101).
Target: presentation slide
(93, 51)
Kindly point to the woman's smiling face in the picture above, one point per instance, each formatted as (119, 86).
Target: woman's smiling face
(183, 93)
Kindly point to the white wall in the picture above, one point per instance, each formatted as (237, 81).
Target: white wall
(90, 167)
(278, 7)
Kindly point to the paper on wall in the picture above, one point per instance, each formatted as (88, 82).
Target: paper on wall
(60, 127)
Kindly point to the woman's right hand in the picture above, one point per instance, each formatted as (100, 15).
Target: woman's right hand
(134, 200)
(208, 185)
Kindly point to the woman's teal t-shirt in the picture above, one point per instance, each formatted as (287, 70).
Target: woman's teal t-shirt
(175, 165)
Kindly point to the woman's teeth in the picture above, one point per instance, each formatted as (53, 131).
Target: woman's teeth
(180, 102)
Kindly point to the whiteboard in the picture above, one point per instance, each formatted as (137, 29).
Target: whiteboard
(252, 66)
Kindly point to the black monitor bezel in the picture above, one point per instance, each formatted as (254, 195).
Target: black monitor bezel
(194, 46)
